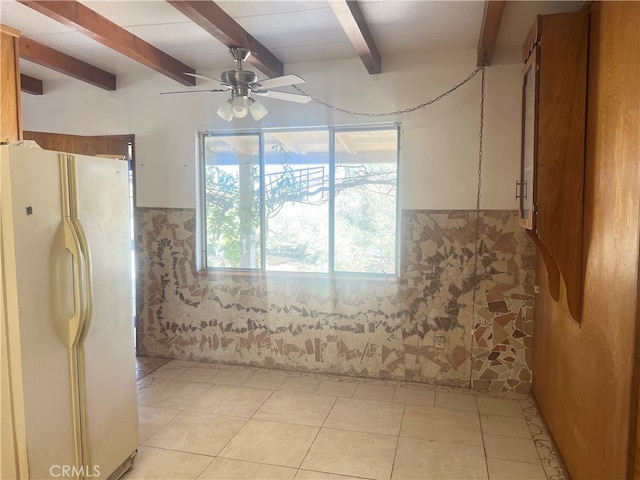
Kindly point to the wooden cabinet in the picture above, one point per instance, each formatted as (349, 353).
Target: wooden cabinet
(10, 115)
(551, 186)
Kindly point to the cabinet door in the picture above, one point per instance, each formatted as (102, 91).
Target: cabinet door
(527, 190)
(10, 116)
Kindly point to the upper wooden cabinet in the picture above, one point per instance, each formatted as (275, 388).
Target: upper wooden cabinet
(10, 115)
(551, 186)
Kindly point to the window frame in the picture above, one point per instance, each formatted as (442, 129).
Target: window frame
(262, 271)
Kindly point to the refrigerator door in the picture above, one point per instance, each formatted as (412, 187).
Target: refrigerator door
(41, 269)
(107, 352)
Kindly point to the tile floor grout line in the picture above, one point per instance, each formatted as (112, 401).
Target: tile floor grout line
(179, 451)
(198, 398)
(257, 462)
(205, 468)
(247, 419)
(335, 400)
(530, 438)
(484, 448)
(395, 453)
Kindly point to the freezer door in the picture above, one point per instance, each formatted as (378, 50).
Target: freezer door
(108, 346)
(41, 305)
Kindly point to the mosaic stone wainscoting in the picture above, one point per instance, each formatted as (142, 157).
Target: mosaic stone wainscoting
(419, 328)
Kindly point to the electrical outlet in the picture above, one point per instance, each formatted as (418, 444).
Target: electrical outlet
(439, 340)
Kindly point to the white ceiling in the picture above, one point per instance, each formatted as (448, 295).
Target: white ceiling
(295, 31)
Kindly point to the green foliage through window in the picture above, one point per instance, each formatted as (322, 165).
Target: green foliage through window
(321, 201)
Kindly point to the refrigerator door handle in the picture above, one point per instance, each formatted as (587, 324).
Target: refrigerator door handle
(87, 284)
(72, 244)
(87, 303)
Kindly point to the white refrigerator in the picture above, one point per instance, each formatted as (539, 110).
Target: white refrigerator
(69, 405)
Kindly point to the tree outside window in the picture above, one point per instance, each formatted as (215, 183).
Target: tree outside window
(320, 201)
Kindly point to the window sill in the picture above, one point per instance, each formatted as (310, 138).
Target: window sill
(213, 274)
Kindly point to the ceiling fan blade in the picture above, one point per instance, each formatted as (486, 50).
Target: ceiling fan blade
(206, 77)
(290, 97)
(282, 81)
(195, 91)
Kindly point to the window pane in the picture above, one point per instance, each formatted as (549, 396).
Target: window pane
(297, 201)
(232, 201)
(365, 204)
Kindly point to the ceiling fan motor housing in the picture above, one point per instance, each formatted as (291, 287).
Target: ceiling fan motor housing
(240, 80)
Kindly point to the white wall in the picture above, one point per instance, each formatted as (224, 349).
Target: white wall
(439, 146)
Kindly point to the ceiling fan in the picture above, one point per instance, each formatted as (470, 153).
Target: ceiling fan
(244, 85)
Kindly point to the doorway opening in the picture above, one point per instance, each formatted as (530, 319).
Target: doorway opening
(132, 206)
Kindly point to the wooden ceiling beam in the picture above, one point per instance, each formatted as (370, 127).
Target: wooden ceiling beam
(82, 19)
(491, 19)
(61, 62)
(31, 85)
(225, 29)
(349, 14)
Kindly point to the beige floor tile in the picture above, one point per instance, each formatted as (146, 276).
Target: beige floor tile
(299, 384)
(152, 419)
(174, 368)
(148, 380)
(310, 475)
(384, 418)
(335, 388)
(414, 396)
(269, 380)
(244, 368)
(171, 393)
(442, 425)
(427, 460)
(507, 470)
(190, 411)
(212, 365)
(500, 406)
(274, 443)
(228, 469)
(179, 364)
(510, 448)
(458, 401)
(379, 393)
(366, 381)
(196, 374)
(231, 400)
(150, 363)
(299, 408)
(352, 453)
(156, 463)
(195, 432)
(506, 426)
(169, 373)
(231, 376)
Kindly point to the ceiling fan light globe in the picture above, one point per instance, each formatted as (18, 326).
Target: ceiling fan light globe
(257, 110)
(239, 108)
(224, 112)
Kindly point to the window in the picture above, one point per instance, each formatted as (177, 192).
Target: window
(317, 200)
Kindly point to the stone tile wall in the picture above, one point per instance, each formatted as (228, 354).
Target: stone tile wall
(417, 328)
